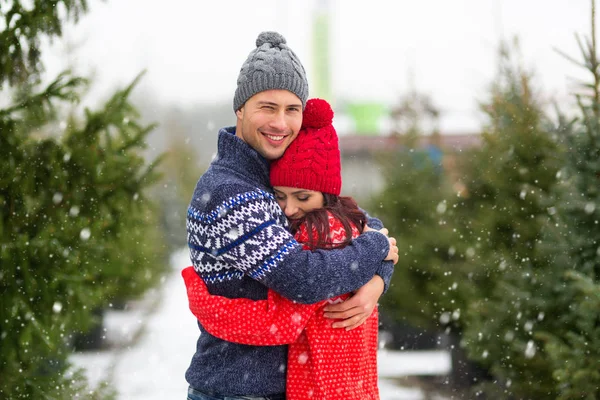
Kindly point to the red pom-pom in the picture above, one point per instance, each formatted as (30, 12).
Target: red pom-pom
(317, 114)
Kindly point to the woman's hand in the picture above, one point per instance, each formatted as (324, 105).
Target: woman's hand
(354, 311)
(393, 252)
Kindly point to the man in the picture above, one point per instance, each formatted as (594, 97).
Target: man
(238, 239)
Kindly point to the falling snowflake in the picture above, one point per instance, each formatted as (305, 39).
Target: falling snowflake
(85, 234)
(445, 318)
(441, 207)
(233, 233)
(530, 349)
(540, 316)
(57, 307)
(589, 208)
(523, 194)
(456, 314)
(296, 318)
(303, 358)
(74, 211)
(57, 198)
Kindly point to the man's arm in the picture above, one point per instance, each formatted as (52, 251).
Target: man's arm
(373, 222)
(310, 276)
(243, 232)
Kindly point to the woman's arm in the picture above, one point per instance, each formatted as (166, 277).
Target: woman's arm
(271, 322)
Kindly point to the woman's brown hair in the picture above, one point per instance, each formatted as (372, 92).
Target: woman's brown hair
(342, 208)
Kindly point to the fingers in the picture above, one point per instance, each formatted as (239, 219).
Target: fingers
(352, 322)
(393, 255)
(346, 306)
(345, 314)
(393, 252)
(342, 307)
(359, 323)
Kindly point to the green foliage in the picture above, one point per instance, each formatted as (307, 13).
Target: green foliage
(23, 26)
(508, 179)
(573, 345)
(75, 226)
(471, 260)
(504, 214)
(575, 352)
(77, 231)
(416, 207)
(531, 207)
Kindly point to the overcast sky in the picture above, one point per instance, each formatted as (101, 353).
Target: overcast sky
(192, 49)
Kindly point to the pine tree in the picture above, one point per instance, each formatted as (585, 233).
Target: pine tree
(415, 206)
(77, 231)
(573, 342)
(508, 178)
(24, 26)
(509, 184)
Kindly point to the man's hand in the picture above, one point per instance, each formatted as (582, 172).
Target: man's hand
(354, 311)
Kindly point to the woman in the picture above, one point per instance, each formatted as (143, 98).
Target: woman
(323, 362)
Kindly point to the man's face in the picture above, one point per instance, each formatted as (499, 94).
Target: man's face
(269, 121)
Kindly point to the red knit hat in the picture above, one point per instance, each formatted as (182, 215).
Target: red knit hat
(312, 161)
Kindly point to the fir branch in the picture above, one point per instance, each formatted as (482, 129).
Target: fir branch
(62, 88)
(20, 41)
(568, 57)
(587, 121)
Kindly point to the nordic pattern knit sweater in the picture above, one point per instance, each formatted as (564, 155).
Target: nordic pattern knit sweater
(240, 247)
(324, 363)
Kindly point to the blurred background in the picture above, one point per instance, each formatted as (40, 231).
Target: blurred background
(471, 128)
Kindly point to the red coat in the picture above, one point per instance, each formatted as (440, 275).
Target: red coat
(323, 363)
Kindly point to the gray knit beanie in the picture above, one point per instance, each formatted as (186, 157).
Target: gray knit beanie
(272, 65)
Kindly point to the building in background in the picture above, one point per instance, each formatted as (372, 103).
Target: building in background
(362, 173)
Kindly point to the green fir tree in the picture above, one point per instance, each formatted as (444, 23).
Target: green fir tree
(416, 206)
(573, 341)
(503, 216)
(77, 231)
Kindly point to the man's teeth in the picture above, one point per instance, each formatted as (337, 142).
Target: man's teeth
(276, 138)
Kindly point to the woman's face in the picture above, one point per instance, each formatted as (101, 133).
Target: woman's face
(296, 202)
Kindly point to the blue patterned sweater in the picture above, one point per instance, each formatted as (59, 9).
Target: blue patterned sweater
(240, 246)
